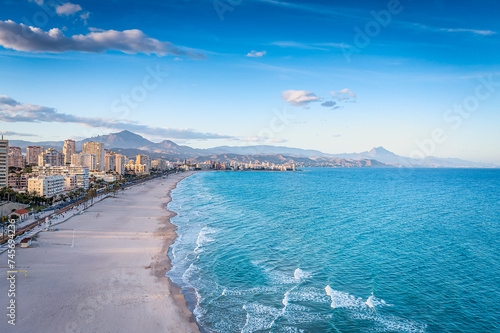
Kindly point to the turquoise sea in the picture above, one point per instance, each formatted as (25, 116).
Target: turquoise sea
(340, 250)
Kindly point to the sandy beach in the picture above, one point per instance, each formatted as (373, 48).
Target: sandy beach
(112, 279)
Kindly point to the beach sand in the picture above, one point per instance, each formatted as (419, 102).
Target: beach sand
(112, 280)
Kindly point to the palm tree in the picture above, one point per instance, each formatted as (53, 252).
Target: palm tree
(92, 193)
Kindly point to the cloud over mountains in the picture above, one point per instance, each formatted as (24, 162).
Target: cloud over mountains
(12, 111)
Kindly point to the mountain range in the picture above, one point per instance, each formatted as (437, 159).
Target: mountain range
(130, 144)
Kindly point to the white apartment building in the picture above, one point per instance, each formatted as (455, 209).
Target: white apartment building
(120, 164)
(45, 185)
(81, 173)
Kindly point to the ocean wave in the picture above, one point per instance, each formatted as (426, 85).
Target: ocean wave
(300, 275)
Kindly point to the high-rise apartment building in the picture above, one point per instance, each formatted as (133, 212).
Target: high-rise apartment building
(109, 161)
(4, 168)
(32, 153)
(86, 160)
(68, 150)
(15, 157)
(120, 164)
(97, 149)
(52, 157)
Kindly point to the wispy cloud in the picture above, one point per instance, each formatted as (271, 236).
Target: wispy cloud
(311, 46)
(10, 133)
(30, 39)
(255, 54)
(474, 31)
(13, 111)
(317, 9)
(299, 97)
(420, 26)
(84, 17)
(340, 98)
(68, 9)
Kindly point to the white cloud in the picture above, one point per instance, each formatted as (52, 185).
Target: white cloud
(255, 54)
(12, 111)
(299, 97)
(68, 8)
(474, 31)
(343, 93)
(30, 39)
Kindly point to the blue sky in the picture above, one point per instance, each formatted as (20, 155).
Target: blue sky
(328, 75)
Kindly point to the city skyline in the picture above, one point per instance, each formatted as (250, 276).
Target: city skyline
(311, 75)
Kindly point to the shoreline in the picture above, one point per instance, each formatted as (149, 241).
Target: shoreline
(114, 277)
(178, 296)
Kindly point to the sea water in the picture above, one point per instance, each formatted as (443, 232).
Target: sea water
(340, 250)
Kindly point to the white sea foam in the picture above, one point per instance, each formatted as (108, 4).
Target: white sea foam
(286, 299)
(369, 302)
(299, 275)
(203, 239)
(390, 323)
(259, 317)
(341, 299)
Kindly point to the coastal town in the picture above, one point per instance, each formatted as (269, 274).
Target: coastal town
(36, 177)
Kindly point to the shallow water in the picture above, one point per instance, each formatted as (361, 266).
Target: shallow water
(304, 251)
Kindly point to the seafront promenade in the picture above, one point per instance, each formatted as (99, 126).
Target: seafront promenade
(103, 270)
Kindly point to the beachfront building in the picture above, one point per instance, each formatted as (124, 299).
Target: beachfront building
(68, 150)
(107, 177)
(86, 160)
(160, 165)
(32, 153)
(46, 185)
(137, 169)
(51, 157)
(4, 169)
(15, 157)
(70, 182)
(97, 149)
(120, 164)
(81, 173)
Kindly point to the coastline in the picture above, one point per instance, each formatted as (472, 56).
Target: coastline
(114, 277)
